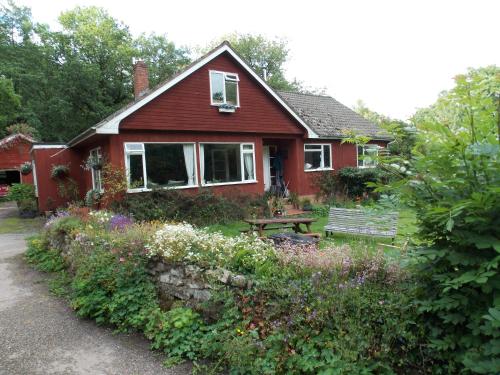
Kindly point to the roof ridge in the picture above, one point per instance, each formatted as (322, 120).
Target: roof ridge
(305, 93)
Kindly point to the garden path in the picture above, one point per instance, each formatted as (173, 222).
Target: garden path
(40, 334)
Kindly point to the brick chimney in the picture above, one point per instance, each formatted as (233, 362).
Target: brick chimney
(141, 79)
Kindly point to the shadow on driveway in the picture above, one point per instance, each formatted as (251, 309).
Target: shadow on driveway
(40, 334)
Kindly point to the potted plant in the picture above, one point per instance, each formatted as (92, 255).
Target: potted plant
(94, 162)
(24, 196)
(307, 205)
(59, 171)
(26, 168)
(277, 206)
(28, 208)
(228, 108)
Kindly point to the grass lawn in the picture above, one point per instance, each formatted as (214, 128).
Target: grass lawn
(406, 226)
(18, 225)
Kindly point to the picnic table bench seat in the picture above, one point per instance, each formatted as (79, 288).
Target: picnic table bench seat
(363, 222)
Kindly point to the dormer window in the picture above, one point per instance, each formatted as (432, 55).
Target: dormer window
(224, 89)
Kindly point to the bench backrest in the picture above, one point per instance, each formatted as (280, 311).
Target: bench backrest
(362, 221)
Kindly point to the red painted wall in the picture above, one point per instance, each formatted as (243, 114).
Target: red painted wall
(343, 155)
(15, 154)
(48, 195)
(186, 106)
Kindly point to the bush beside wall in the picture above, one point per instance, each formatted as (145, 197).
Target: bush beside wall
(281, 311)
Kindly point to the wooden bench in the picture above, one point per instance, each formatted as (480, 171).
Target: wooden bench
(362, 222)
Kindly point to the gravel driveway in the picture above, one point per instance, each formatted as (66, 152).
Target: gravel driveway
(40, 334)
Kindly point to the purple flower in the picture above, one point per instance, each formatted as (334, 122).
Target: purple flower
(119, 222)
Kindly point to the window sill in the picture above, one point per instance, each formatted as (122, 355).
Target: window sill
(230, 183)
(144, 190)
(318, 170)
(221, 104)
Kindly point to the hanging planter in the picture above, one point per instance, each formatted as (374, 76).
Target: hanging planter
(94, 162)
(26, 168)
(59, 171)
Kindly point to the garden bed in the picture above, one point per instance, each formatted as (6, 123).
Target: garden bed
(264, 309)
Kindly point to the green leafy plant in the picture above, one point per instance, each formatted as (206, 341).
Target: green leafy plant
(453, 183)
(59, 171)
(26, 168)
(21, 192)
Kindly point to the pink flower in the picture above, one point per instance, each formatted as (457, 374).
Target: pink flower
(122, 259)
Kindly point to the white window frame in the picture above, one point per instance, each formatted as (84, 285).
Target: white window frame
(360, 162)
(94, 172)
(142, 152)
(242, 165)
(224, 75)
(322, 164)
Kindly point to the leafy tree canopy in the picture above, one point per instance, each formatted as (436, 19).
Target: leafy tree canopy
(69, 80)
(267, 57)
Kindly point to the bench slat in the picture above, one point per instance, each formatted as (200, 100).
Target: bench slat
(353, 221)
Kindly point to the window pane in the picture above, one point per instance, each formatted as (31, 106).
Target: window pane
(326, 156)
(217, 82)
(134, 147)
(312, 160)
(231, 92)
(247, 147)
(313, 147)
(360, 156)
(136, 172)
(222, 163)
(166, 166)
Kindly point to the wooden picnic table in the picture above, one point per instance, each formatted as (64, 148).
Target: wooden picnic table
(260, 225)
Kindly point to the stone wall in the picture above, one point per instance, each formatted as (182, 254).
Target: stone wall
(189, 283)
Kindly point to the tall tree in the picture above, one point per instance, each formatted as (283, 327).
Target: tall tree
(161, 55)
(10, 104)
(71, 79)
(267, 57)
(404, 133)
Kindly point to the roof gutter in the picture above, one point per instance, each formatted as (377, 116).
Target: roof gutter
(82, 136)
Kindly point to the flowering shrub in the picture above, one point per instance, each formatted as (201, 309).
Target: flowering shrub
(100, 217)
(53, 218)
(183, 242)
(120, 222)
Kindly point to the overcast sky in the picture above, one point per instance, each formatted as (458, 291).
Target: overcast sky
(396, 56)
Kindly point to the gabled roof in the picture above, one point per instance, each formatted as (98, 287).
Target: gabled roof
(5, 142)
(331, 119)
(110, 125)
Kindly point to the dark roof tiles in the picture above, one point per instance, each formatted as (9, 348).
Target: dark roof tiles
(330, 118)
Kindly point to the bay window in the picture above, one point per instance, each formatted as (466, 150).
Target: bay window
(317, 157)
(160, 165)
(224, 88)
(367, 156)
(223, 163)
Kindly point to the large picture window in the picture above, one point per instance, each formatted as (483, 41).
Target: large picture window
(160, 165)
(367, 156)
(224, 163)
(317, 157)
(224, 88)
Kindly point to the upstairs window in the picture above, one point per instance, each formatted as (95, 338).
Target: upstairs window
(224, 88)
(367, 156)
(317, 157)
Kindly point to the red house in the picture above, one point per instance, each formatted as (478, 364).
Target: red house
(216, 124)
(14, 151)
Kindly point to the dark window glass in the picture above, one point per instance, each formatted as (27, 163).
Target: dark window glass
(222, 163)
(165, 165)
(312, 160)
(136, 172)
(326, 155)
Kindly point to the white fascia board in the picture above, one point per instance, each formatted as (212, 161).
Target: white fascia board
(41, 147)
(112, 126)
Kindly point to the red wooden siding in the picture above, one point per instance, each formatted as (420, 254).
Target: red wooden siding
(186, 106)
(15, 154)
(48, 194)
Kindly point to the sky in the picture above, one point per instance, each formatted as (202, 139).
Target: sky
(395, 56)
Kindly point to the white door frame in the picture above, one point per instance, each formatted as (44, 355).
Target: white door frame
(267, 167)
